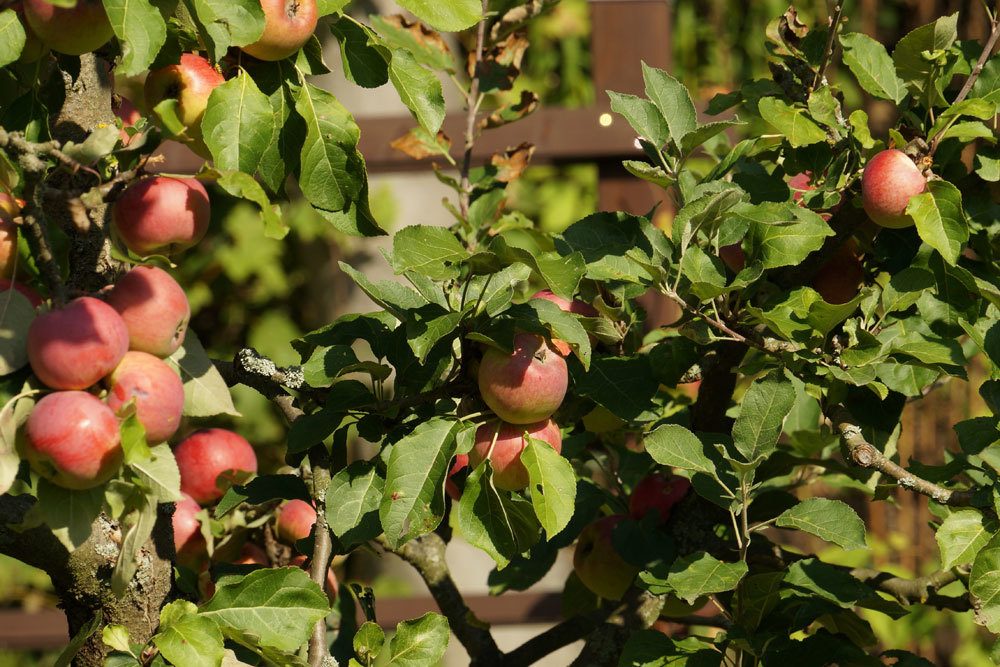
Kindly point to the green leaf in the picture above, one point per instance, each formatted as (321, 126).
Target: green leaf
(16, 315)
(872, 66)
(765, 405)
(699, 574)
(940, 219)
(420, 642)
(137, 528)
(652, 648)
(495, 521)
(275, 607)
(563, 326)
(781, 234)
(65, 658)
(419, 89)
(643, 116)
(703, 133)
(260, 490)
(368, 642)
(205, 392)
(12, 37)
(552, 483)
(238, 124)
(363, 56)
(140, 29)
(675, 446)
(159, 475)
(225, 23)
(561, 272)
(331, 171)
(185, 638)
(326, 7)
(987, 86)
(611, 244)
(961, 536)
(790, 121)
(425, 45)
(451, 16)
(396, 298)
(430, 251)
(984, 585)
(909, 55)
(424, 330)
(413, 499)
(240, 184)
(624, 385)
(357, 490)
(974, 107)
(672, 99)
(326, 364)
(830, 520)
(69, 513)
(756, 596)
(706, 273)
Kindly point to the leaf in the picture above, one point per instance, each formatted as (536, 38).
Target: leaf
(159, 475)
(12, 37)
(700, 574)
(830, 520)
(643, 116)
(238, 124)
(675, 446)
(205, 392)
(987, 86)
(140, 29)
(552, 483)
(420, 642)
(424, 44)
(368, 642)
(361, 52)
(961, 536)
(792, 122)
(357, 493)
(756, 596)
(909, 55)
(984, 585)
(974, 107)
(16, 315)
(430, 251)
(137, 529)
(623, 385)
(69, 514)
(276, 607)
(781, 234)
(240, 184)
(652, 648)
(413, 499)
(765, 405)
(419, 89)
(425, 330)
(500, 524)
(940, 219)
(673, 100)
(326, 7)
(872, 66)
(262, 489)
(65, 658)
(703, 133)
(185, 638)
(396, 298)
(226, 23)
(451, 16)
(331, 171)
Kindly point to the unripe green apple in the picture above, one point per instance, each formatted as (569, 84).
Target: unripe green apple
(509, 472)
(210, 461)
(33, 297)
(161, 215)
(154, 387)
(889, 181)
(154, 308)
(73, 440)
(190, 82)
(526, 386)
(70, 30)
(598, 565)
(288, 25)
(294, 521)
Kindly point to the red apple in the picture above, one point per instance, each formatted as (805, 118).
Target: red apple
(189, 543)
(576, 306)
(288, 24)
(10, 205)
(526, 386)
(450, 487)
(73, 30)
(154, 308)
(331, 578)
(598, 565)
(690, 389)
(31, 295)
(251, 554)
(190, 82)
(8, 243)
(295, 521)
(75, 346)
(839, 279)
(660, 492)
(733, 257)
(73, 440)
(33, 49)
(889, 181)
(161, 215)
(800, 183)
(508, 471)
(156, 390)
(211, 460)
(129, 116)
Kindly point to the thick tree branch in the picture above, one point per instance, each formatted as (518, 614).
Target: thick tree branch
(36, 546)
(604, 646)
(866, 455)
(560, 635)
(922, 590)
(253, 370)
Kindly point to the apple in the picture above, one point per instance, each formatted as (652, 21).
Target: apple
(508, 471)
(211, 460)
(8, 243)
(288, 24)
(126, 112)
(450, 486)
(31, 295)
(889, 181)
(251, 554)
(294, 521)
(70, 30)
(153, 307)
(596, 562)
(733, 256)
(660, 492)
(800, 183)
(161, 215)
(73, 440)
(576, 306)
(189, 543)
(156, 390)
(75, 346)
(526, 386)
(190, 82)
(839, 279)
(690, 389)
(33, 49)
(331, 578)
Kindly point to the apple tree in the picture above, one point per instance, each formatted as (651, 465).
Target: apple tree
(828, 274)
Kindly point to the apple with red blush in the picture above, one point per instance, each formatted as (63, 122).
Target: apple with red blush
(211, 460)
(527, 385)
(154, 308)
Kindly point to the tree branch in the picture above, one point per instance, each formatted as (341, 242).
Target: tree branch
(560, 635)
(322, 548)
(38, 241)
(472, 107)
(831, 42)
(866, 455)
(256, 371)
(922, 590)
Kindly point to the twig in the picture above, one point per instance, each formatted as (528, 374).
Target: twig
(867, 455)
(472, 107)
(831, 42)
(16, 142)
(322, 548)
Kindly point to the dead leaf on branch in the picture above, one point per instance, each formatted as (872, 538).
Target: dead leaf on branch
(419, 144)
(511, 163)
(511, 112)
(420, 33)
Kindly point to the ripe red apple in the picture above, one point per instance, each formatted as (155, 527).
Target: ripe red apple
(33, 49)
(31, 295)
(508, 471)
(190, 82)
(8, 243)
(251, 554)
(800, 183)
(889, 181)
(155, 388)
(129, 116)
(160, 215)
(288, 24)
(72, 439)
(575, 306)
(690, 389)
(331, 578)
(75, 346)
(839, 279)
(189, 543)
(295, 521)
(526, 386)
(70, 30)
(659, 492)
(596, 562)
(450, 487)
(733, 257)
(10, 204)
(154, 308)
(211, 460)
